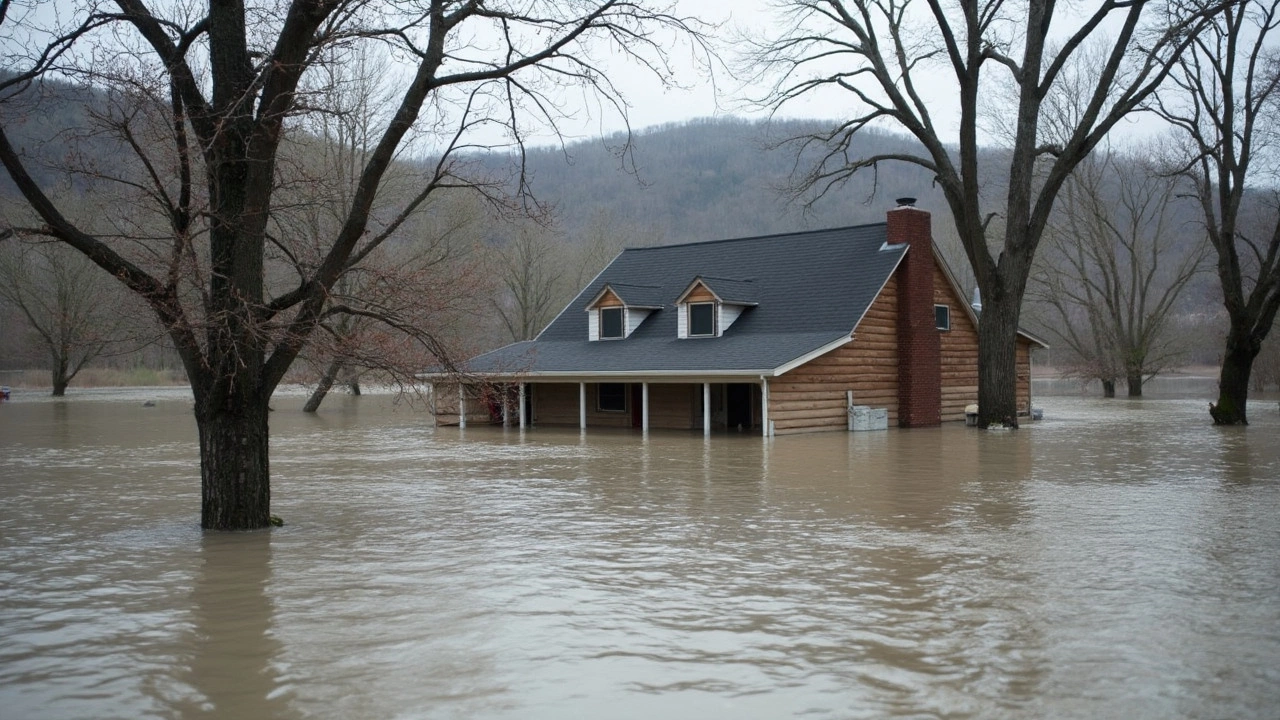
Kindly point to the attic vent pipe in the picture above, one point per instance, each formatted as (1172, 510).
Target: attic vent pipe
(906, 202)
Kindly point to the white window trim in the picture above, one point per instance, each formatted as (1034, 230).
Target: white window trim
(715, 319)
(935, 317)
(623, 324)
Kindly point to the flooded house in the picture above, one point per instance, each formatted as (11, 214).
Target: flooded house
(772, 335)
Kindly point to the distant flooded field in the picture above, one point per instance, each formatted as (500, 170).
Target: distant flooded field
(1118, 559)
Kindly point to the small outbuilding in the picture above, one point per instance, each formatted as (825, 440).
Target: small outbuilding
(774, 334)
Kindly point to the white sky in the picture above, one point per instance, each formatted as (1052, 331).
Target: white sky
(651, 104)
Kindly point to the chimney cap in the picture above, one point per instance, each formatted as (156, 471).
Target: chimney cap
(906, 202)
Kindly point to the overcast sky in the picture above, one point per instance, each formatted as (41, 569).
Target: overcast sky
(651, 104)
(704, 96)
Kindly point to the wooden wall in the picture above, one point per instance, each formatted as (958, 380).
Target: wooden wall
(700, 293)
(812, 396)
(1024, 376)
(609, 299)
(959, 352)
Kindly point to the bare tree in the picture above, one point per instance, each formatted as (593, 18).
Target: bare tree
(882, 55)
(1266, 367)
(232, 77)
(430, 279)
(67, 302)
(530, 269)
(1114, 266)
(325, 155)
(541, 269)
(1224, 100)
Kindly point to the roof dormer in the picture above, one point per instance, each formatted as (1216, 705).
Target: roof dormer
(611, 317)
(710, 305)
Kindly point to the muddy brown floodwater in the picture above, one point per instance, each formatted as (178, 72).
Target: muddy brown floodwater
(1118, 559)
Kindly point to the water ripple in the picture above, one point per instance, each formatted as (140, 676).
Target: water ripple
(1118, 558)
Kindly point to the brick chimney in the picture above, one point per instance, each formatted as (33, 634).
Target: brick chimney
(919, 345)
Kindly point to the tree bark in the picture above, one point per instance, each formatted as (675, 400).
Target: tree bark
(234, 468)
(997, 365)
(1134, 383)
(1233, 382)
(326, 383)
(59, 377)
(1108, 388)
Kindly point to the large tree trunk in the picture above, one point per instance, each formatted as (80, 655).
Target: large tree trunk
(1134, 381)
(234, 469)
(1233, 382)
(326, 383)
(59, 377)
(997, 365)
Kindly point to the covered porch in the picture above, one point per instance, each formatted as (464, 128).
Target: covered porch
(708, 404)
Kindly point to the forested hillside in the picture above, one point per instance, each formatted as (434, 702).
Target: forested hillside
(710, 179)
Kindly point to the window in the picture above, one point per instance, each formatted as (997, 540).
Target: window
(611, 323)
(702, 319)
(611, 397)
(942, 317)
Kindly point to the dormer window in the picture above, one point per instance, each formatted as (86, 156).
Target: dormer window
(611, 323)
(618, 310)
(702, 319)
(709, 306)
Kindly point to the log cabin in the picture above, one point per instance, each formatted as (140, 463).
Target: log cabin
(776, 334)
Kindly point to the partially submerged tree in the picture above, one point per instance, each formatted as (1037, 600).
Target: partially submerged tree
(428, 280)
(71, 307)
(1224, 99)
(232, 79)
(887, 57)
(421, 270)
(1115, 264)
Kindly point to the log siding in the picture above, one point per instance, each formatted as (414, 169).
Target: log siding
(812, 397)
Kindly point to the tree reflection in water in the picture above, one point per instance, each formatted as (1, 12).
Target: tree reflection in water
(235, 656)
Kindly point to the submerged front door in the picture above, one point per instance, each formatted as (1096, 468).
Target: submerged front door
(738, 403)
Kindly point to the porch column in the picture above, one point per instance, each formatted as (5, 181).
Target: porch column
(462, 406)
(582, 406)
(506, 408)
(706, 409)
(523, 420)
(644, 407)
(764, 406)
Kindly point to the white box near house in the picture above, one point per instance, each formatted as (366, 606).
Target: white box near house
(863, 418)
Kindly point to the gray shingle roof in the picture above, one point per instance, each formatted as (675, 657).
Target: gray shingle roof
(810, 289)
(738, 292)
(650, 296)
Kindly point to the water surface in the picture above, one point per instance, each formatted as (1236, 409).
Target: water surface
(1118, 559)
